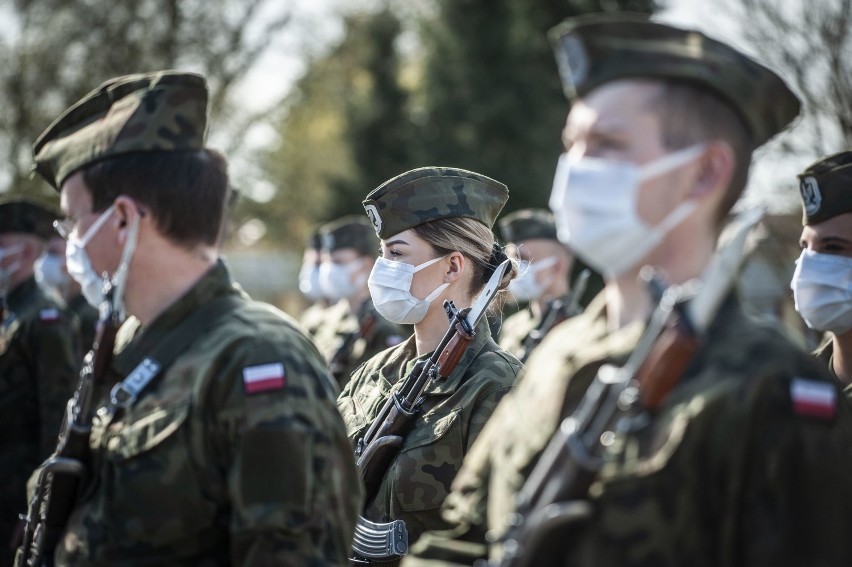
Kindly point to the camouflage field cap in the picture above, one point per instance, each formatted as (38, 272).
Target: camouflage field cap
(353, 231)
(154, 112)
(527, 224)
(430, 193)
(826, 188)
(28, 217)
(594, 49)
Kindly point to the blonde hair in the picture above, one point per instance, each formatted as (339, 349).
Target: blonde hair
(474, 241)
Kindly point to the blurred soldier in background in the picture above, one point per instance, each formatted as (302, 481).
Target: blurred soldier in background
(351, 331)
(545, 264)
(51, 274)
(312, 316)
(719, 442)
(39, 359)
(822, 282)
(220, 443)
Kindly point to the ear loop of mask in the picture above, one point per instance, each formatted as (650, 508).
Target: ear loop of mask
(120, 278)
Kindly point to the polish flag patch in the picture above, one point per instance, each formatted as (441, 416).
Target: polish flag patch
(813, 399)
(264, 378)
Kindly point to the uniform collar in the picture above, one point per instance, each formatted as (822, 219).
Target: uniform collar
(214, 283)
(21, 291)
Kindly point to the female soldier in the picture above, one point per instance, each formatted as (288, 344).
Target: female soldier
(436, 244)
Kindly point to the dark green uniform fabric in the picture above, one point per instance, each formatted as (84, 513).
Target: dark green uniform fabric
(205, 469)
(88, 318)
(825, 354)
(39, 361)
(340, 323)
(726, 473)
(453, 414)
(313, 316)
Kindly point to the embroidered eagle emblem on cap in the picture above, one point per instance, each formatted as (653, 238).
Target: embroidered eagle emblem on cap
(375, 218)
(811, 196)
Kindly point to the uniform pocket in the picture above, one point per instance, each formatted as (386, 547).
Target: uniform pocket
(146, 432)
(429, 461)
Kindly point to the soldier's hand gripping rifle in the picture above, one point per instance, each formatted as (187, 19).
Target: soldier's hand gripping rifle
(342, 356)
(559, 311)
(63, 475)
(554, 499)
(386, 435)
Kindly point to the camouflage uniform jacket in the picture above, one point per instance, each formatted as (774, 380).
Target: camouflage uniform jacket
(340, 323)
(453, 414)
(730, 470)
(313, 316)
(233, 455)
(518, 326)
(39, 361)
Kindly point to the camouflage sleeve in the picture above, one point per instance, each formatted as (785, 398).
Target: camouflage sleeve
(54, 343)
(789, 489)
(291, 479)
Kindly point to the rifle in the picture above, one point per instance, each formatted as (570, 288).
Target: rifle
(559, 311)
(340, 360)
(554, 499)
(383, 440)
(62, 477)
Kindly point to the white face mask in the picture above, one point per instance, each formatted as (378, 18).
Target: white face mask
(335, 280)
(526, 286)
(50, 271)
(390, 288)
(822, 289)
(594, 203)
(309, 281)
(80, 267)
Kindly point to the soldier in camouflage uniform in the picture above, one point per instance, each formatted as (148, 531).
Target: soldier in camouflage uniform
(352, 331)
(823, 278)
(312, 316)
(232, 451)
(543, 282)
(52, 275)
(39, 360)
(747, 460)
(435, 222)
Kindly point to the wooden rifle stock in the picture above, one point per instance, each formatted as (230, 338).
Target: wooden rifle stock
(666, 363)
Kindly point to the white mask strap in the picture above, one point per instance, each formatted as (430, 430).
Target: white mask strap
(93, 230)
(120, 278)
(428, 263)
(438, 291)
(669, 162)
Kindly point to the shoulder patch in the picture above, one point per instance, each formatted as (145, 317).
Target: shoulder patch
(264, 378)
(49, 315)
(813, 399)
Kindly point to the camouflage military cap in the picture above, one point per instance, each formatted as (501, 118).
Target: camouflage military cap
(595, 49)
(155, 112)
(826, 188)
(527, 224)
(353, 231)
(28, 217)
(430, 193)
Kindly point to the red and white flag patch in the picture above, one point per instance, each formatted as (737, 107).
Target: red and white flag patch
(264, 378)
(813, 399)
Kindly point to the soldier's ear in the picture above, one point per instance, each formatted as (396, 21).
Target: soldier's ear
(455, 266)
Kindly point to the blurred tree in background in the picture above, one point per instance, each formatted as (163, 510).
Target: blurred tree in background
(55, 51)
